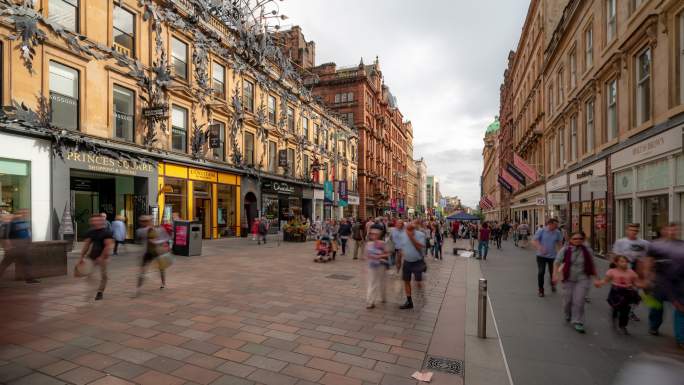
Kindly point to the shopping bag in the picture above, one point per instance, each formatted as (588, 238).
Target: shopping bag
(84, 268)
(164, 261)
(651, 301)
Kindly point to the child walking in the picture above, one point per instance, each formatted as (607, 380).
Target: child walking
(623, 291)
(377, 264)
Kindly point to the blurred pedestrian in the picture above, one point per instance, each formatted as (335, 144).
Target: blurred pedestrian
(574, 266)
(413, 261)
(358, 235)
(262, 229)
(483, 241)
(345, 231)
(118, 232)
(623, 291)
(15, 233)
(437, 247)
(97, 246)
(547, 241)
(377, 255)
(523, 234)
(155, 241)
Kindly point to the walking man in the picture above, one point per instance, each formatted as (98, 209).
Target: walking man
(483, 244)
(345, 232)
(358, 235)
(413, 261)
(97, 246)
(262, 229)
(547, 241)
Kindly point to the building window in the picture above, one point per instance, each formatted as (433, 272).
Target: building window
(552, 155)
(573, 138)
(561, 94)
(272, 156)
(317, 135)
(290, 119)
(124, 113)
(124, 31)
(349, 118)
(643, 82)
(588, 49)
(179, 55)
(218, 77)
(272, 109)
(611, 111)
(611, 20)
(550, 98)
(219, 152)
(64, 13)
(561, 147)
(249, 148)
(248, 95)
(573, 69)
(306, 173)
(179, 128)
(64, 96)
(290, 162)
(305, 127)
(350, 96)
(589, 134)
(634, 5)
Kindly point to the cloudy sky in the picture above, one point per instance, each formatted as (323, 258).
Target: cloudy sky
(442, 59)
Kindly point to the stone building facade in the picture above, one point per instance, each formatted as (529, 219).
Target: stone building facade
(171, 115)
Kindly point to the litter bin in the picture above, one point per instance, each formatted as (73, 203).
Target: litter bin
(187, 239)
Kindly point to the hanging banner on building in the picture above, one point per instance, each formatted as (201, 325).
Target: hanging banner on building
(511, 181)
(401, 206)
(327, 193)
(343, 193)
(393, 204)
(529, 171)
(507, 186)
(515, 173)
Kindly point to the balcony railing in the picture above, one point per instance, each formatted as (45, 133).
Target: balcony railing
(122, 50)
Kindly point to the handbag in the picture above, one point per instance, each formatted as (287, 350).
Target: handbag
(84, 268)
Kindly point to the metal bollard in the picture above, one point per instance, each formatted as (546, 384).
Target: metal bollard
(482, 309)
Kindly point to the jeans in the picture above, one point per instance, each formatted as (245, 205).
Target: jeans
(542, 264)
(343, 241)
(483, 248)
(655, 319)
(437, 250)
(498, 242)
(358, 245)
(573, 299)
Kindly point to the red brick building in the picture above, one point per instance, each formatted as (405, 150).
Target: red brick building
(359, 94)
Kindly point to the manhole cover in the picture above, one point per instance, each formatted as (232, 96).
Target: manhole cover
(445, 365)
(341, 277)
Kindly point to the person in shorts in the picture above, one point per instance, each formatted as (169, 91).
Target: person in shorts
(413, 261)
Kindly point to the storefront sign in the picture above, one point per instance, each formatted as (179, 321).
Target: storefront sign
(515, 173)
(279, 187)
(155, 112)
(598, 184)
(668, 141)
(582, 175)
(505, 184)
(102, 163)
(540, 202)
(557, 183)
(354, 200)
(557, 198)
(203, 175)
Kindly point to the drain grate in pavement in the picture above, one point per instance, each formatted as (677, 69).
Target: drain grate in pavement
(341, 277)
(446, 365)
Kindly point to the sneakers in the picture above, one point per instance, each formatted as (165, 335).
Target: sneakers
(407, 305)
(98, 296)
(579, 328)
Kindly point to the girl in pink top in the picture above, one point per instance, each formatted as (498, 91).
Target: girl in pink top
(623, 292)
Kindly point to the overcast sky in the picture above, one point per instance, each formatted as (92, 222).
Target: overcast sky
(442, 59)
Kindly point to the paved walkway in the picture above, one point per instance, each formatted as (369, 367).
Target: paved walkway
(240, 314)
(540, 347)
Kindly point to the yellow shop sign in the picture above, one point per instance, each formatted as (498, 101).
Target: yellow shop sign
(203, 175)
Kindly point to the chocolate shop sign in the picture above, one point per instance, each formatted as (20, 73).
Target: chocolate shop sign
(279, 187)
(102, 163)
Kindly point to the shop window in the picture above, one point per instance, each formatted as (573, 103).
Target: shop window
(272, 109)
(624, 183)
(655, 211)
(179, 128)
(679, 161)
(218, 83)
(625, 215)
(175, 201)
(611, 110)
(226, 215)
(654, 175)
(64, 13)
(220, 152)
(249, 148)
(179, 56)
(248, 95)
(124, 31)
(64, 96)
(290, 119)
(643, 85)
(272, 156)
(124, 113)
(15, 185)
(290, 162)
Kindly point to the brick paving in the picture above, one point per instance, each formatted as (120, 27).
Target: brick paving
(239, 314)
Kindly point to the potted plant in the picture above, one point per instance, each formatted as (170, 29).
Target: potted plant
(295, 231)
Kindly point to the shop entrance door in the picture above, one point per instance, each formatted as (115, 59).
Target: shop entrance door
(84, 204)
(134, 207)
(586, 228)
(203, 211)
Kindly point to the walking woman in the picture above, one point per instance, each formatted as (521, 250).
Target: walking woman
(377, 256)
(574, 266)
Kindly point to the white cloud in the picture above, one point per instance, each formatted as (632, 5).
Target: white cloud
(442, 59)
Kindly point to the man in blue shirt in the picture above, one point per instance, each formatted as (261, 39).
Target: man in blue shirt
(547, 241)
(413, 262)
